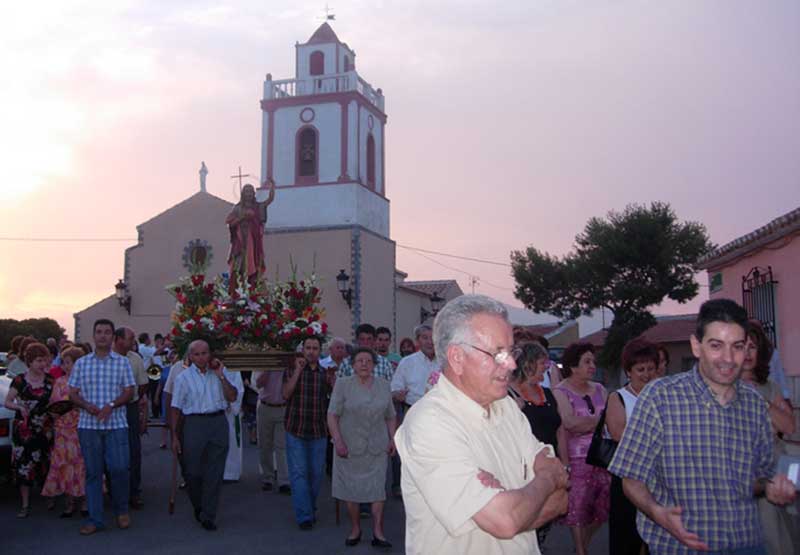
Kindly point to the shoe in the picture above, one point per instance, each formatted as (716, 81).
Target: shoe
(162, 446)
(383, 544)
(24, 512)
(197, 515)
(51, 504)
(124, 522)
(88, 529)
(208, 525)
(306, 525)
(285, 490)
(136, 503)
(67, 514)
(266, 486)
(350, 542)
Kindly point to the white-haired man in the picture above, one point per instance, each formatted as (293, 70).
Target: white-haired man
(475, 480)
(201, 395)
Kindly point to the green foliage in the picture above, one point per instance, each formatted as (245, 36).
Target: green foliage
(40, 328)
(627, 262)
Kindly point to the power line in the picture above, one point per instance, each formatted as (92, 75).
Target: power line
(65, 239)
(469, 258)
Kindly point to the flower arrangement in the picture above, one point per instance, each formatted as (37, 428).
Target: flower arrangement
(249, 319)
(297, 303)
(196, 314)
(254, 318)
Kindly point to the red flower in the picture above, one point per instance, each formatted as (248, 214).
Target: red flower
(236, 332)
(198, 279)
(190, 326)
(257, 332)
(175, 331)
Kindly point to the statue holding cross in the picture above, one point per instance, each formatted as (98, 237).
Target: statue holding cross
(246, 225)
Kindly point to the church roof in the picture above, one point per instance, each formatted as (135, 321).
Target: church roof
(668, 329)
(197, 196)
(323, 34)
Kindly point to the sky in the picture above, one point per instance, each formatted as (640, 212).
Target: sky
(509, 124)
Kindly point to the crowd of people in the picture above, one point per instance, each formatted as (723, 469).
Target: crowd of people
(483, 437)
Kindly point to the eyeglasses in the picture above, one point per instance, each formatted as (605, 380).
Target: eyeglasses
(501, 357)
(589, 403)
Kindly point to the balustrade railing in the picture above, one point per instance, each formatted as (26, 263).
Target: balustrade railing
(322, 84)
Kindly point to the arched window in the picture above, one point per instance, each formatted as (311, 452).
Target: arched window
(317, 63)
(347, 65)
(307, 155)
(371, 161)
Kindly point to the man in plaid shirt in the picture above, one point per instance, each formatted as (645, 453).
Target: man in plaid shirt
(365, 337)
(698, 449)
(305, 388)
(101, 384)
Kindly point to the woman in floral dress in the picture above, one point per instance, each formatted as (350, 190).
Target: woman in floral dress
(67, 474)
(32, 434)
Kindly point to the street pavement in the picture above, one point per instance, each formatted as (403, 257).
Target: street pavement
(250, 521)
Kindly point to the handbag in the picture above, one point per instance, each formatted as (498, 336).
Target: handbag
(602, 449)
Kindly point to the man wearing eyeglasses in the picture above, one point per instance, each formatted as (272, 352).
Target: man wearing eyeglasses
(474, 479)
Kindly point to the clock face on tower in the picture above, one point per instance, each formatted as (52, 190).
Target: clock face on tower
(307, 115)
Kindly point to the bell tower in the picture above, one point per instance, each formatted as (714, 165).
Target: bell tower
(323, 141)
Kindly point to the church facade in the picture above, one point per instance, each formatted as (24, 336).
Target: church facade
(323, 145)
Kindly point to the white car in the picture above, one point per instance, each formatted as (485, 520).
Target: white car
(6, 418)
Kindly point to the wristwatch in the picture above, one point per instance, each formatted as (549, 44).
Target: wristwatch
(111, 404)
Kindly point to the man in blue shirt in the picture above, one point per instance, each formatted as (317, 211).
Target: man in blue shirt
(101, 384)
(698, 449)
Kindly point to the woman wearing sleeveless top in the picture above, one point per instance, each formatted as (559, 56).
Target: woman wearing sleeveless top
(781, 529)
(640, 359)
(580, 403)
(537, 403)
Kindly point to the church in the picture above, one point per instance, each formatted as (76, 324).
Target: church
(322, 143)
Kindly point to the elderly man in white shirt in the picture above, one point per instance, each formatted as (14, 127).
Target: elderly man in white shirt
(475, 480)
(410, 380)
(202, 393)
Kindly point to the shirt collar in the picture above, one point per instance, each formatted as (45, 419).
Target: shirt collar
(703, 391)
(467, 406)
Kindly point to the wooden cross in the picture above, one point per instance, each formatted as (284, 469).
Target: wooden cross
(329, 15)
(240, 176)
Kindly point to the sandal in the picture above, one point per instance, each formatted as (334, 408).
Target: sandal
(24, 512)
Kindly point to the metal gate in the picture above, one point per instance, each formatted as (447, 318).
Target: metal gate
(758, 298)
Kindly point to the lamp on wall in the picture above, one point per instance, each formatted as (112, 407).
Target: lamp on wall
(436, 306)
(343, 285)
(123, 297)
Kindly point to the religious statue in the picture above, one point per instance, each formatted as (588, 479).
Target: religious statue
(203, 173)
(246, 224)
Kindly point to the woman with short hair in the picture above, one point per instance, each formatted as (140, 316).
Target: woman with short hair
(361, 421)
(580, 404)
(640, 360)
(67, 475)
(29, 395)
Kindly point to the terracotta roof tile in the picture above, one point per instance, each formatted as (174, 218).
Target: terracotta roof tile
(668, 329)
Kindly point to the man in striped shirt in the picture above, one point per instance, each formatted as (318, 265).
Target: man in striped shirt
(698, 449)
(305, 389)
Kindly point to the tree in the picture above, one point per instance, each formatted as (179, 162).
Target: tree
(40, 328)
(626, 263)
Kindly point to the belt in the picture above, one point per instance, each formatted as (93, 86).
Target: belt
(206, 414)
(275, 405)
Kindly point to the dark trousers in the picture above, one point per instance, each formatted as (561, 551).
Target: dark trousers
(623, 539)
(135, 444)
(205, 447)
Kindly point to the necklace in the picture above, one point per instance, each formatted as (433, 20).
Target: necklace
(632, 390)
